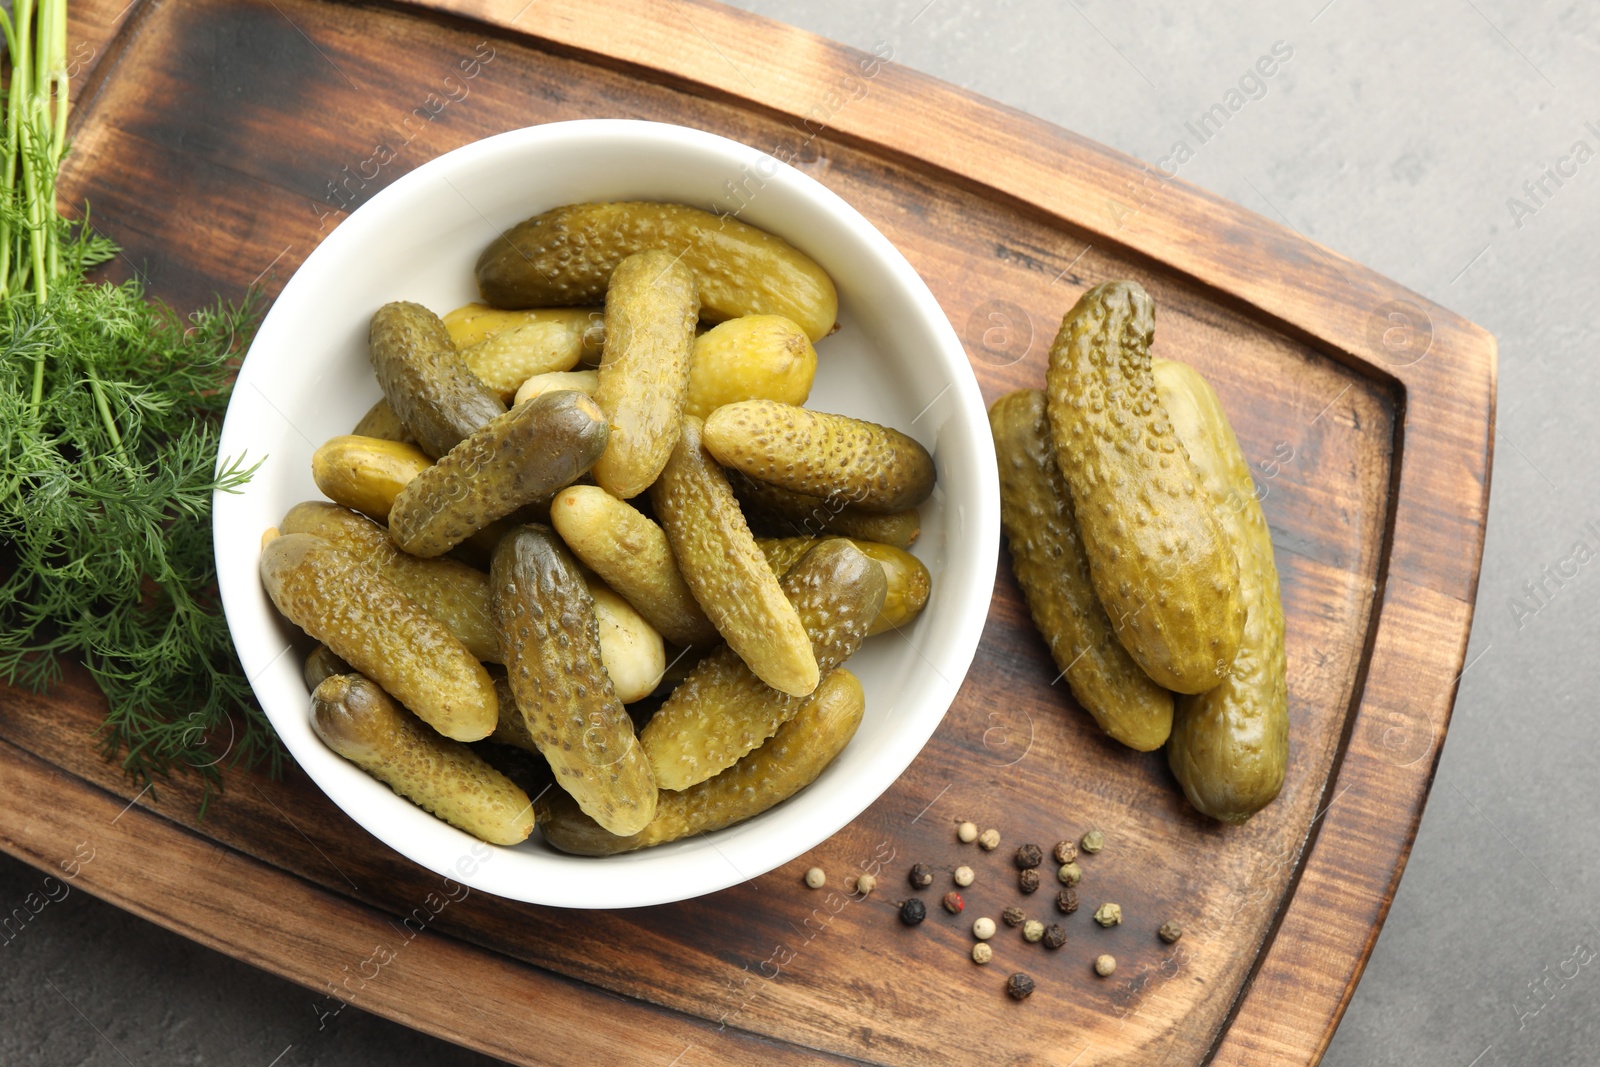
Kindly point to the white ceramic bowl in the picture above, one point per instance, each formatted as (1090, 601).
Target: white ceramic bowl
(896, 361)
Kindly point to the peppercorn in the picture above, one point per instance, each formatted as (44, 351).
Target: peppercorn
(1170, 932)
(1013, 916)
(816, 878)
(1067, 901)
(921, 876)
(982, 953)
(1065, 852)
(1032, 931)
(1070, 874)
(953, 903)
(1093, 842)
(1104, 965)
(967, 832)
(1055, 935)
(1028, 856)
(865, 884)
(1108, 915)
(1019, 986)
(989, 840)
(963, 876)
(1028, 880)
(912, 911)
(983, 928)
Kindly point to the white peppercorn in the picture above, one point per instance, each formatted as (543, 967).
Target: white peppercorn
(967, 832)
(1104, 965)
(963, 876)
(816, 878)
(983, 928)
(989, 840)
(982, 953)
(865, 884)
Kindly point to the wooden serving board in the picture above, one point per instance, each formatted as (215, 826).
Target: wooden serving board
(218, 141)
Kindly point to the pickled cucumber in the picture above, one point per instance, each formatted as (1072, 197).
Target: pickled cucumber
(870, 467)
(381, 422)
(780, 513)
(362, 723)
(651, 309)
(573, 330)
(452, 592)
(1048, 560)
(427, 385)
(1230, 746)
(566, 256)
(380, 631)
(722, 710)
(323, 664)
(907, 580)
(582, 381)
(1167, 576)
(790, 760)
(365, 474)
(523, 456)
(754, 357)
(726, 572)
(551, 641)
(631, 554)
(630, 648)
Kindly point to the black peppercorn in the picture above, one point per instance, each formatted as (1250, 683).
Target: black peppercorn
(1019, 986)
(1028, 880)
(1013, 916)
(921, 876)
(912, 911)
(1067, 901)
(1054, 936)
(1028, 856)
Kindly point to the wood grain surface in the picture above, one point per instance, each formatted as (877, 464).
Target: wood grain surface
(219, 141)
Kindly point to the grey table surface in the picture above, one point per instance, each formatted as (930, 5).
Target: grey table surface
(1414, 137)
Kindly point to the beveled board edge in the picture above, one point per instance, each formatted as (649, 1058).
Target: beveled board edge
(1422, 616)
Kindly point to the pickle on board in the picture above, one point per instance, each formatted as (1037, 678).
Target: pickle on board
(870, 467)
(566, 256)
(362, 723)
(630, 553)
(651, 309)
(1230, 745)
(551, 642)
(722, 710)
(452, 592)
(750, 358)
(725, 570)
(780, 513)
(523, 456)
(1161, 566)
(432, 392)
(790, 760)
(380, 631)
(907, 582)
(365, 474)
(1048, 560)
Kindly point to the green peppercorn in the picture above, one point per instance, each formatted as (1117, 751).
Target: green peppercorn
(1070, 874)
(1032, 931)
(1093, 842)
(1108, 915)
(1170, 932)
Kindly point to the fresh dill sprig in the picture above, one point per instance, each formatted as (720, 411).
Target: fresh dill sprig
(109, 412)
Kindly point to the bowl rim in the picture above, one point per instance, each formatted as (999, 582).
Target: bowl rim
(632, 883)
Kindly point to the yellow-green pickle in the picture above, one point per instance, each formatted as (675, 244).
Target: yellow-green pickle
(566, 256)
(722, 710)
(726, 571)
(651, 309)
(362, 723)
(749, 358)
(368, 622)
(789, 761)
(365, 474)
(429, 388)
(523, 456)
(550, 641)
(1161, 566)
(1230, 746)
(908, 581)
(1048, 559)
(835, 457)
